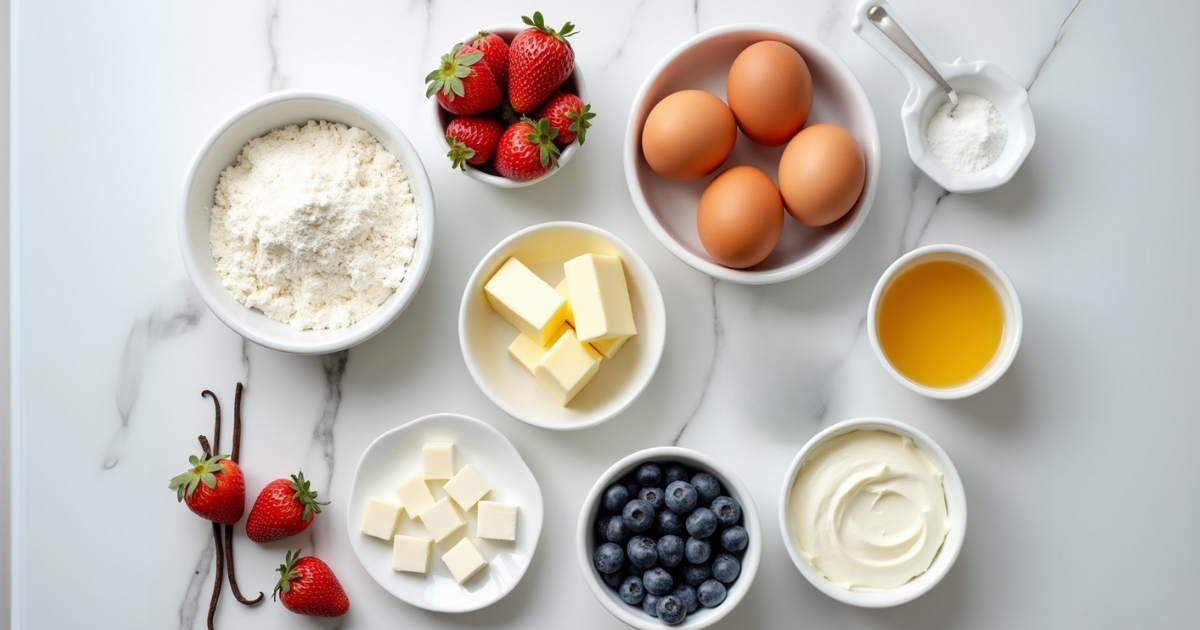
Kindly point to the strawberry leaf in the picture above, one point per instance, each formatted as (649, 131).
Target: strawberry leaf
(453, 68)
(581, 121)
(459, 153)
(305, 496)
(542, 136)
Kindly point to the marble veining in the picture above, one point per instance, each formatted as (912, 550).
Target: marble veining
(1062, 29)
(718, 332)
(197, 586)
(276, 80)
(322, 445)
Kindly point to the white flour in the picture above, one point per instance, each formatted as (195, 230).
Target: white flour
(314, 226)
(971, 138)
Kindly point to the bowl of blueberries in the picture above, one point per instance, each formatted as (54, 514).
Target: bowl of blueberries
(669, 536)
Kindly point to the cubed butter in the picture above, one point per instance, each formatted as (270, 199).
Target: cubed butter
(526, 301)
(565, 290)
(528, 352)
(441, 519)
(415, 496)
(464, 560)
(411, 553)
(438, 459)
(381, 518)
(599, 297)
(467, 487)
(567, 367)
(606, 347)
(497, 521)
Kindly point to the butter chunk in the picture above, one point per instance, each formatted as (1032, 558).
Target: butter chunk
(411, 553)
(467, 487)
(599, 297)
(565, 290)
(415, 496)
(567, 367)
(441, 519)
(528, 352)
(607, 347)
(526, 301)
(464, 560)
(438, 459)
(497, 521)
(381, 518)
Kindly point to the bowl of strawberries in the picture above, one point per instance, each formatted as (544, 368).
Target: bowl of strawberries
(510, 106)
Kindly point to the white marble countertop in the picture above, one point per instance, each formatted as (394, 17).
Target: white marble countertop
(1077, 464)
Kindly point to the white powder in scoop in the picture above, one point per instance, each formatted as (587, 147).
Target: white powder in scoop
(968, 139)
(314, 226)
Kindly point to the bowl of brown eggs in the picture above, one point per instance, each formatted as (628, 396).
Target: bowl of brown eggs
(752, 153)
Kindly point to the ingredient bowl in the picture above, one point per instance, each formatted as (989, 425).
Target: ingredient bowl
(956, 506)
(587, 543)
(221, 149)
(669, 207)
(484, 335)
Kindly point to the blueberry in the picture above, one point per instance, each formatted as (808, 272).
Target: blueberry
(697, 550)
(687, 594)
(632, 591)
(727, 510)
(650, 604)
(670, 550)
(639, 515)
(711, 593)
(701, 523)
(615, 530)
(707, 487)
(642, 552)
(649, 475)
(726, 568)
(612, 579)
(681, 497)
(615, 497)
(657, 581)
(671, 610)
(654, 496)
(608, 558)
(675, 472)
(669, 523)
(735, 538)
(696, 574)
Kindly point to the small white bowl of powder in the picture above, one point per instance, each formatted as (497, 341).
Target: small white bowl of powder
(307, 222)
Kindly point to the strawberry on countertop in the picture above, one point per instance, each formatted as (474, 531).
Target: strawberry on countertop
(527, 150)
(464, 83)
(213, 488)
(495, 53)
(569, 115)
(540, 59)
(285, 507)
(307, 586)
(472, 140)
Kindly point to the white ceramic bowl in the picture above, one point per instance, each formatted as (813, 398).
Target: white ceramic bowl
(1009, 341)
(485, 336)
(586, 534)
(394, 457)
(487, 174)
(956, 506)
(221, 150)
(669, 207)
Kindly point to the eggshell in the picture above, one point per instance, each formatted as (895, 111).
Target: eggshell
(770, 91)
(821, 174)
(740, 217)
(688, 135)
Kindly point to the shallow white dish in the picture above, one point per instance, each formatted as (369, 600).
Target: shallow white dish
(669, 207)
(956, 506)
(394, 457)
(485, 336)
(221, 149)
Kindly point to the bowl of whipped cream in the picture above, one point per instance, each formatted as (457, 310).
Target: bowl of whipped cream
(307, 222)
(873, 512)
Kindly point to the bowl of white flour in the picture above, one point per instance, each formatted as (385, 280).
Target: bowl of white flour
(307, 222)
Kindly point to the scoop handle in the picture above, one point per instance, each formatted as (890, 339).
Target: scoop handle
(882, 20)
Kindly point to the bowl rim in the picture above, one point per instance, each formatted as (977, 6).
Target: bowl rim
(956, 505)
(418, 267)
(653, 293)
(630, 154)
(591, 506)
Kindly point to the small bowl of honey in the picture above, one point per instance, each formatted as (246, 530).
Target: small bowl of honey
(945, 321)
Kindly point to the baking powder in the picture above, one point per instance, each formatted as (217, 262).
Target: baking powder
(968, 139)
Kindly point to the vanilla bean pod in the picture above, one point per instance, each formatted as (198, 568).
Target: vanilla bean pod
(216, 527)
(237, 447)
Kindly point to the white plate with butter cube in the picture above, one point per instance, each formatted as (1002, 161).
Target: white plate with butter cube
(552, 360)
(477, 498)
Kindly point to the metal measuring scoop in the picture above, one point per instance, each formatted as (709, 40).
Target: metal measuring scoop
(884, 22)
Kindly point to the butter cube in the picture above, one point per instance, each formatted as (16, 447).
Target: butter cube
(441, 519)
(410, 553)
(599, 297)
(567, 367)
(381, 518)
(415, 496)
(497, 521)
(467, 487)
(526, 301)
(438, 460)
(528, 352)
(565, 290)
(606, 347)
(464, 560)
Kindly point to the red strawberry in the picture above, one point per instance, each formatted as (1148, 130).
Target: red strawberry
(569, 115)
(473, 140)
(495, 53)
(213, 488)
(539, 60)
(283, 508)
(307, 586)
(527, 150)
(464, 83)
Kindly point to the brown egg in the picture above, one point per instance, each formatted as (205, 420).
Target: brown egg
(688, 135)
(821, 174)
(740, 218)
(770, 92)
